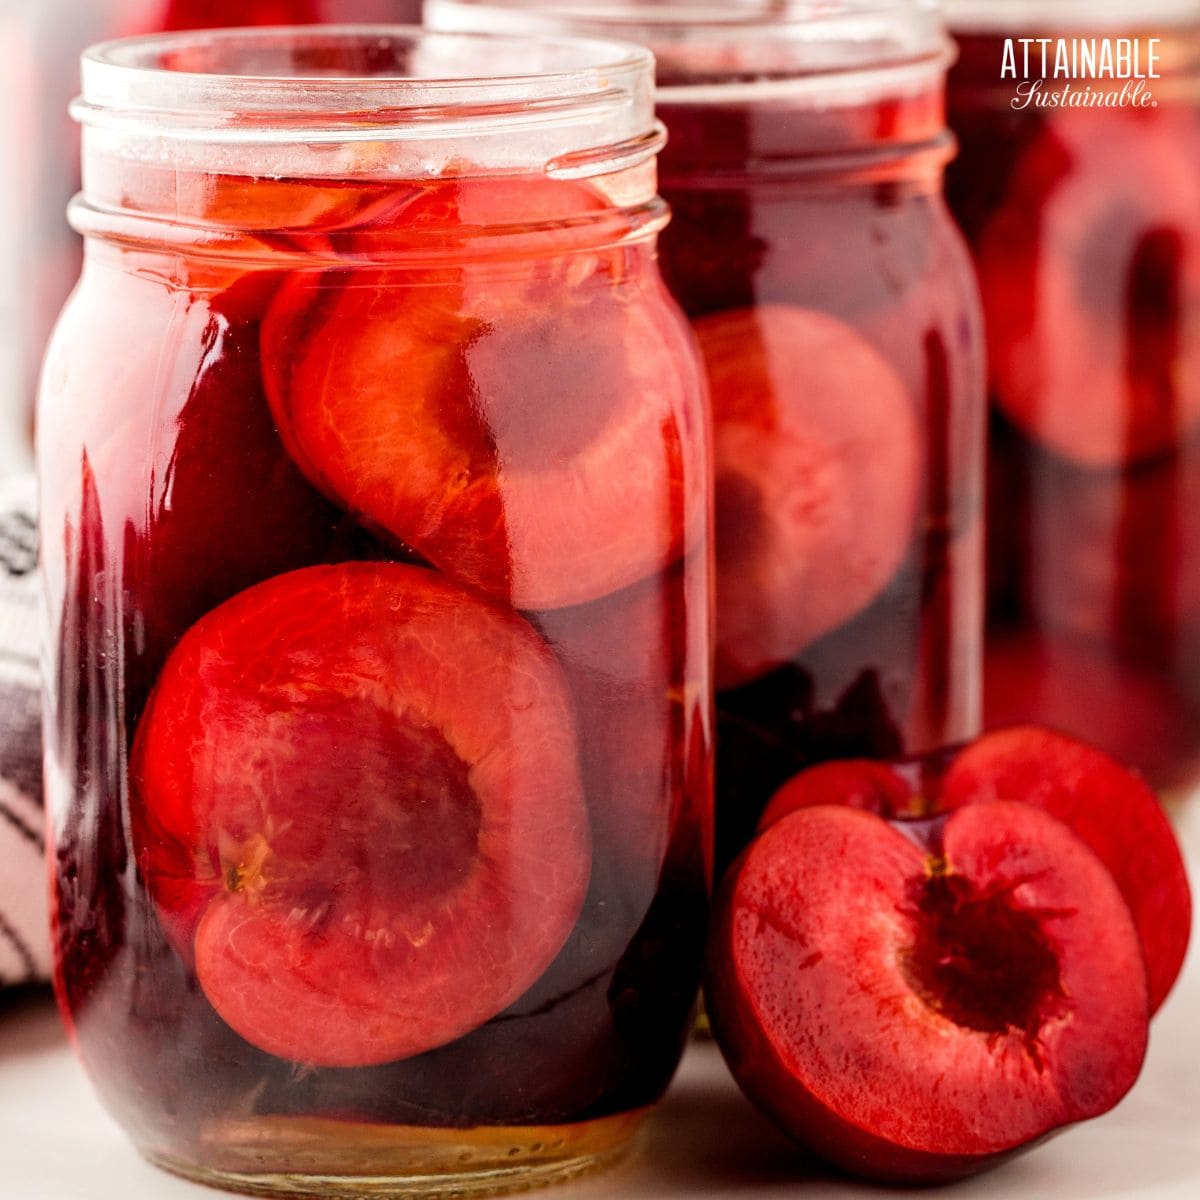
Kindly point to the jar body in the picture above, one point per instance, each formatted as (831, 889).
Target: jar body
(1084, 225)
(380, 816)
(848, 482)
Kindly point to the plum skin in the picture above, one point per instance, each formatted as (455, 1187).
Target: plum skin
(1107, 806)
(759, 1059)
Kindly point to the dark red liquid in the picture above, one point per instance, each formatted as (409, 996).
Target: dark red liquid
(779, 207)
(171, 488)
(1086, 231)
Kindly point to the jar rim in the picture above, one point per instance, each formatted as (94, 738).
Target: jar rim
(302, 82)
(800, 46)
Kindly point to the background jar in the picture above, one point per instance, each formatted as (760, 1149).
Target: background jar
(378, 730)
(1085, 223)
(835, 303)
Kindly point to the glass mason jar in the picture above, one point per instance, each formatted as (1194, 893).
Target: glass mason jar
(1085, 222)
(374, 465)
(834, 301)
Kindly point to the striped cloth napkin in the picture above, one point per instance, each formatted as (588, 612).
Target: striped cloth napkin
(24, 919)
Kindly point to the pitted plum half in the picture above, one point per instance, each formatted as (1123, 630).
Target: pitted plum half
(526, 423)
(1109, 808)
(818, 475)
(918, 1013)
(1090, 274)
(357, 797)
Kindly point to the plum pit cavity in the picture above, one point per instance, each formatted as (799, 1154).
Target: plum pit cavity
(981, 960)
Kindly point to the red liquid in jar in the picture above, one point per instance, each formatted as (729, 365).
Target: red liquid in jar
(196, 509)
(814, 254)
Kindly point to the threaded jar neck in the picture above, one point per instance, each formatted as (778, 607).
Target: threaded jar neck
(378, 101)
(312, 142)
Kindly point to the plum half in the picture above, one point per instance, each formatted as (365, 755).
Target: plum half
(1110, 808)
(1090, 272)
(1107, 806)
(357, 803)
(916, 1010)
(521, 417)
(818, 462)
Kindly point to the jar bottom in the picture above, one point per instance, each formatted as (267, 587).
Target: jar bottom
(338, 1160)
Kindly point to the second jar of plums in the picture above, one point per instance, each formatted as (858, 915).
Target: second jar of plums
(835, 305)
(374, 455)
(1079, 188)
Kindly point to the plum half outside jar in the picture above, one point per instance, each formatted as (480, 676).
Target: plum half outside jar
(835, 303)
(376, 490)
(1085, 225)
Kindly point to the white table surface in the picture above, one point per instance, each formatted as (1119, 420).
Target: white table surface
(56, 1143)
